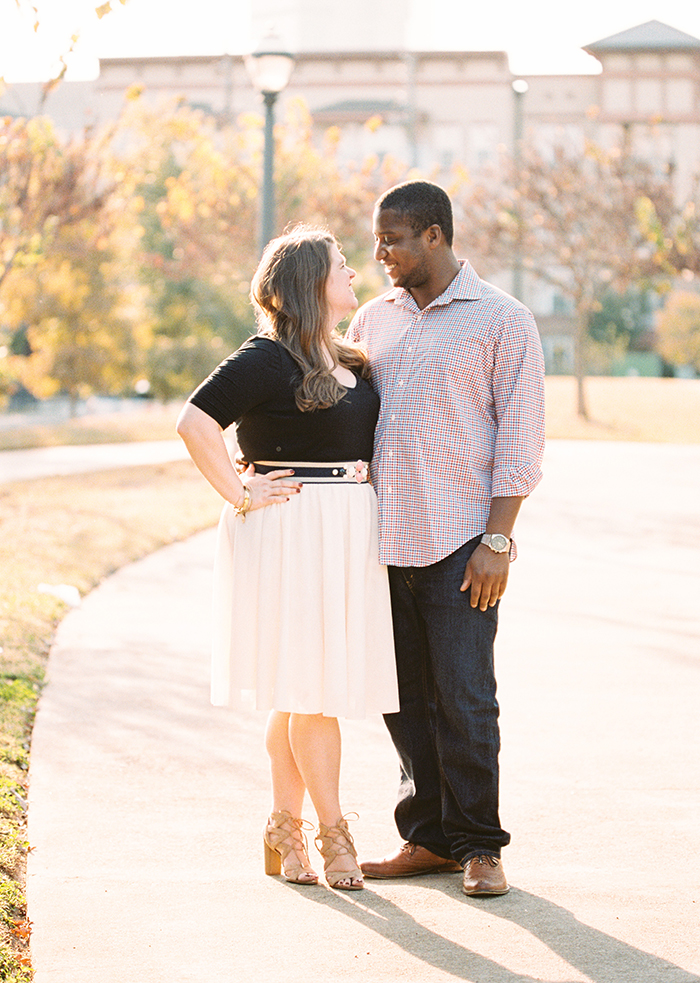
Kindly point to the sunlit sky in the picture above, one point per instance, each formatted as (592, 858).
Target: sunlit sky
(540, 36)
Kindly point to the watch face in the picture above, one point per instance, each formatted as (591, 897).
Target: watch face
(499, 543)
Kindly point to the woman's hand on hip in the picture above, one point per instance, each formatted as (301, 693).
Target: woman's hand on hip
(269, 489)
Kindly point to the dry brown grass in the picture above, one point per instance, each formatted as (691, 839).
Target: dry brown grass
(77, 529)
(636, 409)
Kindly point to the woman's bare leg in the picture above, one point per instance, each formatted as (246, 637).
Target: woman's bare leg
(315, 743)
(287, 784)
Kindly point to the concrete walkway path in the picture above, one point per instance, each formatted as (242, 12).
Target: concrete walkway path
(42, 462)
(146, 804)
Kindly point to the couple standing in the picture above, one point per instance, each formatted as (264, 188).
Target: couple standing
(439, 383)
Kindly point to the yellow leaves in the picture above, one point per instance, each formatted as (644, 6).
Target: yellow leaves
(134, 92)
(332, 138)
(678, 329)
(505, 218)
(103, 10)
(297, 116)
(180, 201)
(645, 211)
(374, 123)
(251, 121)
(461, 174)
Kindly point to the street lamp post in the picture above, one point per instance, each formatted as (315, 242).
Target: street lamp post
(270, 68)
(520, 87)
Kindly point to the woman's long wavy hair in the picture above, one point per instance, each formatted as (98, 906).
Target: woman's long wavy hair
(288, 292)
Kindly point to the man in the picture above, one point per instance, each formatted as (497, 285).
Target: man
(458, 366)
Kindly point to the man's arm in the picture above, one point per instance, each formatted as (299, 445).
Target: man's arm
(518, 384)
(486, 572)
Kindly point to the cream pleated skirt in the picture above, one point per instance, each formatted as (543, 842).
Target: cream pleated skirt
(302, 617)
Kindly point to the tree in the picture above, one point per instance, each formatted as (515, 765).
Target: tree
(54, 206)
(129, 252)
(678, 244)
(581, 223)
(678, 329)
(195, 187)
(191, 190)
(622, 317)
(82, 320)
(45, 186)
(315, 187)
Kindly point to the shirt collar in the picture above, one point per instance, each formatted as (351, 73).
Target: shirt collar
(465, 286)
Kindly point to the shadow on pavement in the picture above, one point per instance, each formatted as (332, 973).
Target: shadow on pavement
(601, 957)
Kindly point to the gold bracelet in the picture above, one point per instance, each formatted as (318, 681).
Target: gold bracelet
(245, 505)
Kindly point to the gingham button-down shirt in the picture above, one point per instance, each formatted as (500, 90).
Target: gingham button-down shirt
(462, 415)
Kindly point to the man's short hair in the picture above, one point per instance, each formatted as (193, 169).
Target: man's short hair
(421, 204)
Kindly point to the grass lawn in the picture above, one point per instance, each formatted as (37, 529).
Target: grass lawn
(69, 530)
(664, 410)
(636, 409)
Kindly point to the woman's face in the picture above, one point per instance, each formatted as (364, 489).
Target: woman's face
(340, 296)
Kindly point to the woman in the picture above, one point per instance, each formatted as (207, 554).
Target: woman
(302, 620)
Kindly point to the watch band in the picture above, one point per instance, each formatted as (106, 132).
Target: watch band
(496, 541)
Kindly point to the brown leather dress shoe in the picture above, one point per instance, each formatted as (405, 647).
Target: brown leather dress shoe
(484, 875)
(409, 861)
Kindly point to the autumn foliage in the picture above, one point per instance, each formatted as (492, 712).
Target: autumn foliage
(678, 329)
(126, 254)
(582, 222)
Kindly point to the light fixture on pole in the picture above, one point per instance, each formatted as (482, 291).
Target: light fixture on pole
(270, 68)
(520, 87)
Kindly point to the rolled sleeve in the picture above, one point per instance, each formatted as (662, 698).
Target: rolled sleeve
(518, 383)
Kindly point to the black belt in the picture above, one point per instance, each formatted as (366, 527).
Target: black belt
(357, 471)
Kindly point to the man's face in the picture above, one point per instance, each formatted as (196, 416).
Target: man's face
(403, 253)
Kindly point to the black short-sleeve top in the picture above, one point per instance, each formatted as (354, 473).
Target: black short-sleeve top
(254, 387)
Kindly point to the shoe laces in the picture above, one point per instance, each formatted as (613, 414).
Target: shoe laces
(486, 859)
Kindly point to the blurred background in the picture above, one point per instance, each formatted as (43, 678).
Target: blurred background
(147, 154)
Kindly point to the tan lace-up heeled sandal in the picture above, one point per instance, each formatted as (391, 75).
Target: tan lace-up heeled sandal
(333, 842)
(284, 842)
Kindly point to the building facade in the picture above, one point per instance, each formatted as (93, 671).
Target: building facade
(431, 109)
(436, 108)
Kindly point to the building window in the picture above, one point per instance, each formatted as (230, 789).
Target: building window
(649, 97)
(617, 96)
(679, 97)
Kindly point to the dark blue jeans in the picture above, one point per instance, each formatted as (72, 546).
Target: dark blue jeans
(446, 732)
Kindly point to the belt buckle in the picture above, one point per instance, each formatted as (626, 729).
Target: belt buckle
(358, 471)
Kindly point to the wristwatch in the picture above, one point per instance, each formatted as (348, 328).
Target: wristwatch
(496, 541)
